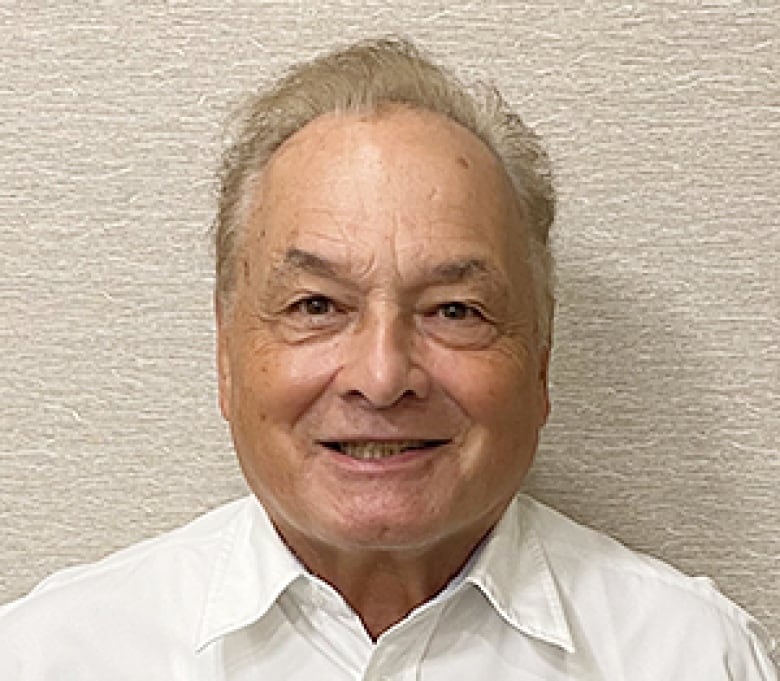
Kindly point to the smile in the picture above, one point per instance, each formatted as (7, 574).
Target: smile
(379, 449)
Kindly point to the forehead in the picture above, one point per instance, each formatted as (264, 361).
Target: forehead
(412, 178)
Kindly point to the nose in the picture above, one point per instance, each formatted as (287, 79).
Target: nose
(379, 364)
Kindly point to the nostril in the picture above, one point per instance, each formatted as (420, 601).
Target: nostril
(375, 399)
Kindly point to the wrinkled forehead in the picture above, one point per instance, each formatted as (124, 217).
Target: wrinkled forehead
(405, 177)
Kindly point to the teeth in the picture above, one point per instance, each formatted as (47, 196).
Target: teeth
(378, 450)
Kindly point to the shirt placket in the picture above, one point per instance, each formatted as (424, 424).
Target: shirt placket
(399, 652)
(335, 630)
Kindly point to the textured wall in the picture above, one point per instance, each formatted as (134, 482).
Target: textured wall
(663, 121)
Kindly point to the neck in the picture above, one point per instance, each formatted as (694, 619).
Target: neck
(384, 586)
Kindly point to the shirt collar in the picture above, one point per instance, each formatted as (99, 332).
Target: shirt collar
(254, 567)
(513, 573)
(252, 570)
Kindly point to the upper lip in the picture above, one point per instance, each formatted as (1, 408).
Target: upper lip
(378, 438)
(427, 441)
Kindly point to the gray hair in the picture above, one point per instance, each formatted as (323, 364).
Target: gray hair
(363, 78)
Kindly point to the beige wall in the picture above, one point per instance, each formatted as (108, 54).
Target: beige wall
(663, 121)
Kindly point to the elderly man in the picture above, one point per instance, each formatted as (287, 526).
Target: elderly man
(384, 304)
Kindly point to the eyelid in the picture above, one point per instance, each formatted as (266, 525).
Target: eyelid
(475, 308)
(305, 297)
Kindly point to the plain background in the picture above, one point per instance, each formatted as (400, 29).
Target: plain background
(663, 122)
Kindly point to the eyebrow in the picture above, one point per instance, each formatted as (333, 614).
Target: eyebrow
(456, 271)
(298, 259)
(453, 271)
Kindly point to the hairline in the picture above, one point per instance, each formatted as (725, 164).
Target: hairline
(515, 148)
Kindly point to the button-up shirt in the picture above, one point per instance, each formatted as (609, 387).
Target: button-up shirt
(543, 599)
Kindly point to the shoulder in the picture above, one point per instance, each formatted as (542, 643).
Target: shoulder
(190, 544)
(123, 598)
(637, 602)
(580, 555)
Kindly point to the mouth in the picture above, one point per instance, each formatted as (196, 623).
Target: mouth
(369, 450)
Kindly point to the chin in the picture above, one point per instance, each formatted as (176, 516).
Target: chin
(388, 532)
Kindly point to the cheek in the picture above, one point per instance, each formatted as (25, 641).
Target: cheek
(495, 389)
(278, 382)
(478, 380)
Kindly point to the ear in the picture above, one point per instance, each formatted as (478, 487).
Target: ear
(223, 359)
(544, 385)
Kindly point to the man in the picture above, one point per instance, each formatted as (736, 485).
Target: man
(384, 305)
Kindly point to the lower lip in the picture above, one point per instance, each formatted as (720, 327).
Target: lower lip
(405, 459)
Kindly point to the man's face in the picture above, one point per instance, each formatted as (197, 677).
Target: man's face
(379, 366)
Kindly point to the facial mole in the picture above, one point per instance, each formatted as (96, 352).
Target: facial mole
(246, 269)
(463, 162)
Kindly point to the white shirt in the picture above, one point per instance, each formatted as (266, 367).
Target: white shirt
(223, 599)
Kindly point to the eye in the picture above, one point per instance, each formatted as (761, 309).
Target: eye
(315, 306)
(459, 324)
(315, 312)
(456, 311)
